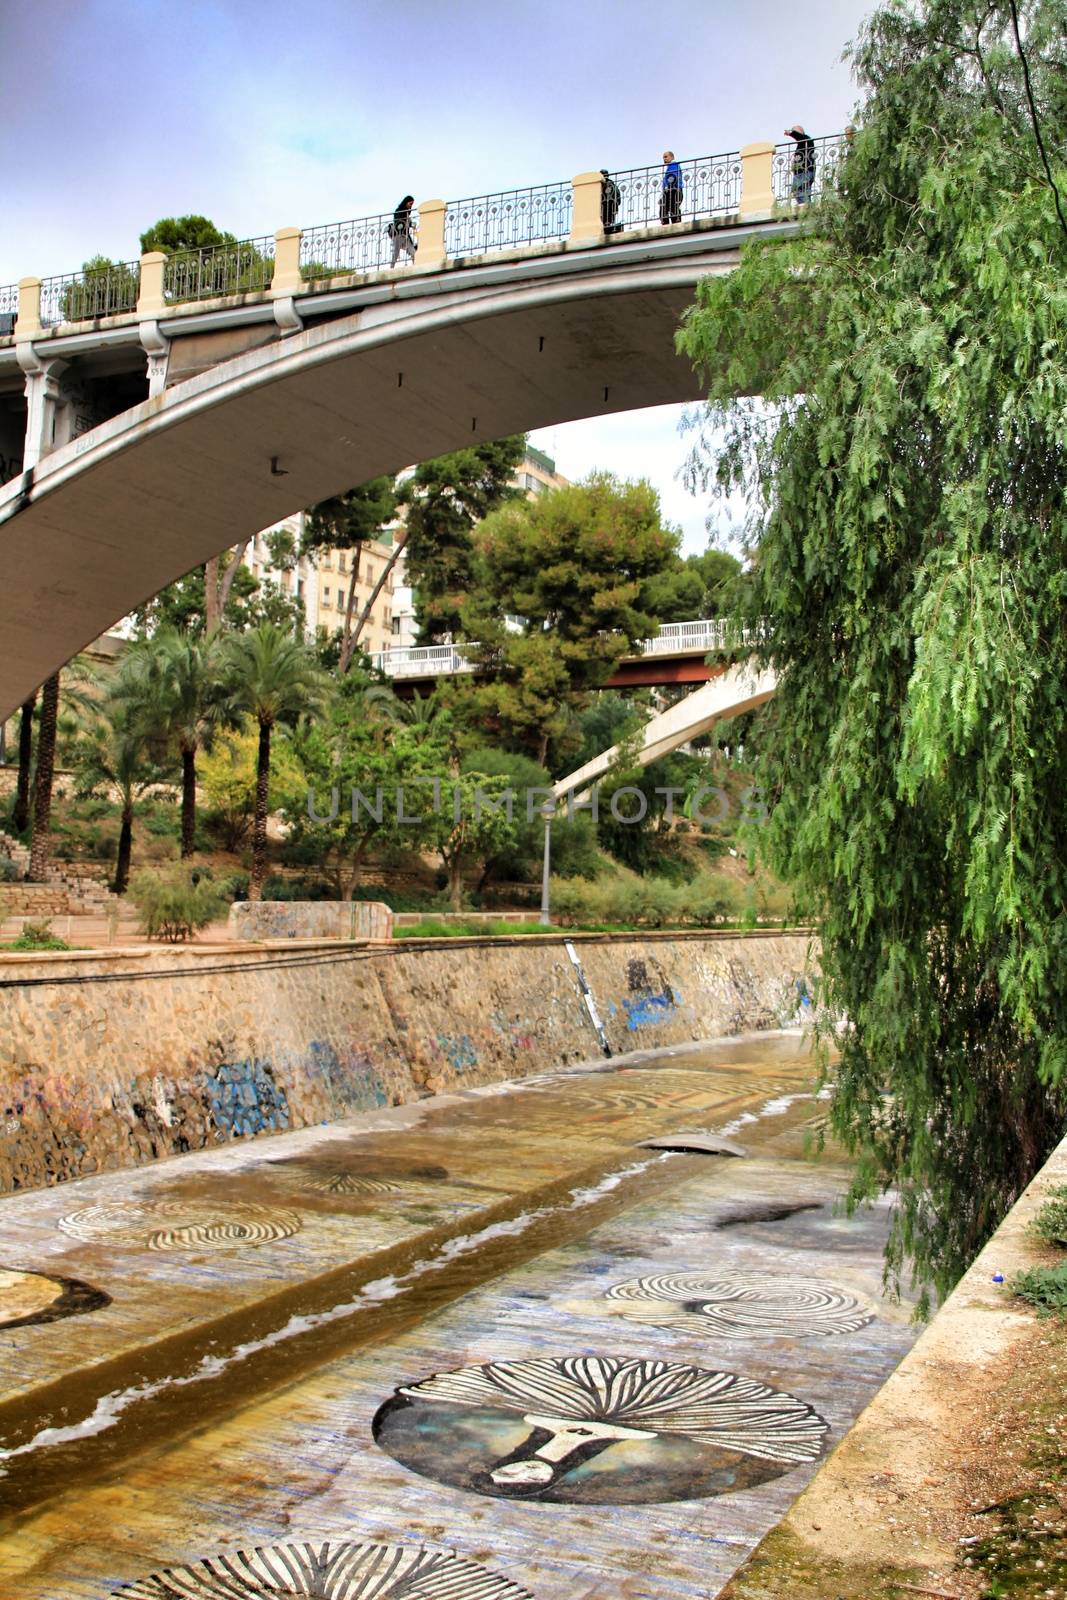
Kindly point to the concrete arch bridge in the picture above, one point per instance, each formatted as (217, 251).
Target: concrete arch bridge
(196, 400)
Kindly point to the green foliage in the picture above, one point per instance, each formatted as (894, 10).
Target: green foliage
(445, 499)
(1043, 1287)
(1050, 1223)
(573, 565)
(8, 870)
(466, 928)
(174, 235)
(645, 902)
(111, 286)
(227, 776)
(173, 903)
(251, 602)
(38, 935)
(692, 587)
(909, 538)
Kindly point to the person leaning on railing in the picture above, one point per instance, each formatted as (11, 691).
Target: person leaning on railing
(670, 205)
(803, 164)
(400, 230)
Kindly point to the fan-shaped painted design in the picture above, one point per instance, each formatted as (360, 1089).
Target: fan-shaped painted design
(350, 1183)
(180, 1224)
(666, 1431)
(657, 1396)
(328, 1571)
(741, 1304)
(36, 1297)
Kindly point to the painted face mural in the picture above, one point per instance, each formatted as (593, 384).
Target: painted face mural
(740, 1305)
(597, 1430)
(180, 1224)
(33, 1297)
(328, 1571)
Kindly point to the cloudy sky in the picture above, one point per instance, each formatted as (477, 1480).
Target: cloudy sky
(117, 112)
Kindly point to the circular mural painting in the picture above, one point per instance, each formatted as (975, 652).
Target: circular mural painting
(740, 1305)
(328, 1571)
(32, 1297)
(597, 1430)
(349, 1183)
(180, 1224)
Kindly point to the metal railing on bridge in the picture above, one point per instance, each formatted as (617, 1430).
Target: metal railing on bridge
(241, 266)
(444, 660)
(633, 199)
(505, 221)
(94, 292)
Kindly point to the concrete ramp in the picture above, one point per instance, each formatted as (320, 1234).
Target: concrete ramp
(739, 689)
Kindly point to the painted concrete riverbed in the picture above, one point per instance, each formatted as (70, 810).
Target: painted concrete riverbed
(614, 1390)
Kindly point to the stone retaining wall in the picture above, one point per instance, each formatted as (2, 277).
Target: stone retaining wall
(116, 1058)
(310, 919)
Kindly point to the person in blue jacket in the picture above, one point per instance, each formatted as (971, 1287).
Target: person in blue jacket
(670, 205)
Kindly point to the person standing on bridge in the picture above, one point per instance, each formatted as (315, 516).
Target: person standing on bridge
(803, 164)
(400, 230)
(670, 205)
(610, 201)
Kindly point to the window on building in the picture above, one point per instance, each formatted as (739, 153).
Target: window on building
(340, 561)
(370, 576)
(395, 625)
(326, 597)
(299, 588)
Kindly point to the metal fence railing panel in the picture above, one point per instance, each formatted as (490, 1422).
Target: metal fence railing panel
(340, 249)
(95, 292)
(505, 221)
(244, 267)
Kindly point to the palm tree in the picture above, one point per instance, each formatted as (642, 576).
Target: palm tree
(274, 679)
(113, 756)
(174, 684)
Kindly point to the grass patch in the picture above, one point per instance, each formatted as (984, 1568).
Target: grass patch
(465, 928)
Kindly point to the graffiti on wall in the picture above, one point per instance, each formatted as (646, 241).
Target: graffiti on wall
(245, 1099)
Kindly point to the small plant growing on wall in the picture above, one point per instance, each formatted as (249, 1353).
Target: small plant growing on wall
(174, 903)
(39, 936)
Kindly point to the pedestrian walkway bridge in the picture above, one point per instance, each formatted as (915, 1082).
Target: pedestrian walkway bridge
(676, 655)
(154, 413)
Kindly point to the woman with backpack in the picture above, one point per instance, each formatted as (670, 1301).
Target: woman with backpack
(399, 230)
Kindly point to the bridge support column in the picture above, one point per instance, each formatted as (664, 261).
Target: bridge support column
(44, 400)
(757, 181)
(587, 223)
(431, 253)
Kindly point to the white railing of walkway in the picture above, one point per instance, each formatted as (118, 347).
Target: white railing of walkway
(443, 660)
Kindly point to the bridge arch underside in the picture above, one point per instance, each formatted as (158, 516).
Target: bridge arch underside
(108, 520)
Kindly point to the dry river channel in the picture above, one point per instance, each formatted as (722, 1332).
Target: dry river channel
(492, 1344)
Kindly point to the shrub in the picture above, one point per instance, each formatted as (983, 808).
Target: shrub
(1050, 1223)
(8, 870)
(171, 905)
(39, 936)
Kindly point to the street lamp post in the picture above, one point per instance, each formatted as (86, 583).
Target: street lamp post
(546, 920)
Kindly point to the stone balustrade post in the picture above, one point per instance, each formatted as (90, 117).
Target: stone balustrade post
(29, 317)
(587, 223)
(757, 181)
(150, 301)
(286, 279)
(431, 251)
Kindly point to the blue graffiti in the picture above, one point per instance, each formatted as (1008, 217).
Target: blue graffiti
(460, 1052)
(245, 1099)
(652, 1008)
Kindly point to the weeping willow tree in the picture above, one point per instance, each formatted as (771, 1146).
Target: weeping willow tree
(907, 462)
